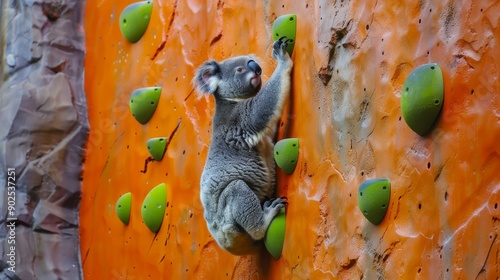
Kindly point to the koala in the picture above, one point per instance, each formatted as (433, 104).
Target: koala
(239, 174)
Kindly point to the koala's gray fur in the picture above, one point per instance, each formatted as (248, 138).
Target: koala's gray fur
(239, 173)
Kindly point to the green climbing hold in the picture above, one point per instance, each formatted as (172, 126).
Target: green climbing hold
(285, 25)
(275, 235)
(422, 97)
(134, 20)
(153, 207)
(123, 207)
(373, 199)
(143, 103)
(286, 154)
(157, 147)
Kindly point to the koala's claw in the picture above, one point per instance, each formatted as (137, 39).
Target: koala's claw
(281, 38)
(279, 47)
(276, 203)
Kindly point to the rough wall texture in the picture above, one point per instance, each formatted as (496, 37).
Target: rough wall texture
(351, 60)
(43, 129)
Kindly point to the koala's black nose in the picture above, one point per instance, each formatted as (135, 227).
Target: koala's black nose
(254, 67)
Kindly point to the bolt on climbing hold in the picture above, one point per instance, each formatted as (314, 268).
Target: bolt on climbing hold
(285, 26)
(143, 103)
(153, 207)
(134, 20)
(286, 154)
(123, 207)
(157, 147)
(275, 235)
(373, 199)
(422, 97)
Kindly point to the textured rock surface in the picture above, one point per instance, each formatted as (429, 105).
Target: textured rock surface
(44, 127)
(351, 61)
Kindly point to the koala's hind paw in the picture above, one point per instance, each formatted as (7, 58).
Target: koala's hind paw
(275, 204)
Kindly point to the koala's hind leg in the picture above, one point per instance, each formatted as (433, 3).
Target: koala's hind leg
(247, 210)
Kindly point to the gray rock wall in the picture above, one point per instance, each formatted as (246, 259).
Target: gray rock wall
(43, 129)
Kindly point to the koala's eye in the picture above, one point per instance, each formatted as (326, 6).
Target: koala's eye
(239, 69)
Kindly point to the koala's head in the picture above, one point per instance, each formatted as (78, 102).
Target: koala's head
(233, 79)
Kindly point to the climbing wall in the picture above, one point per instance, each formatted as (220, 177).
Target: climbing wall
(352, 59)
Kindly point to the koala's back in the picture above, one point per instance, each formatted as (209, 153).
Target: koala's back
(225, 163)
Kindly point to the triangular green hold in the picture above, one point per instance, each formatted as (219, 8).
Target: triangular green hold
(156, 147)
(134, 20)
(373, 199)
(286, 154)
(153, 207)
(275, 235)
(422, 97)
(285, 25)
(123, 205)
(143, 103)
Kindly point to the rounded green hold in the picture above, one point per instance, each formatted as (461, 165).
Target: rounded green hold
(143, 103)
(422, 97)
(157, 147)
(123, 207)
(275, 235)
(134, 20)
(286, 25)
(153, 207)
(373, 199)
(286, 154)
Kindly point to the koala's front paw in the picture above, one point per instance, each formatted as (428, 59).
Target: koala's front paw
(279, 49)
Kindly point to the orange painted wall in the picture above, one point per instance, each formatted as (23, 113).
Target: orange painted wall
(351, 60)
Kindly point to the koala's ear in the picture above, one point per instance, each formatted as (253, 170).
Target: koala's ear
(207, 77)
